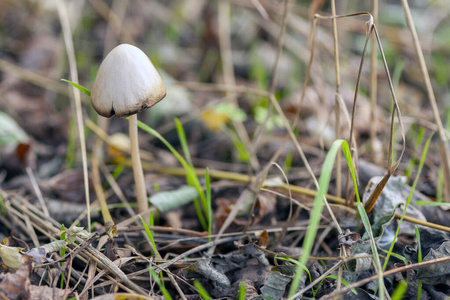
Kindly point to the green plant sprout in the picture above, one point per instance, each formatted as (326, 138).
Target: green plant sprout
(160, 284)
(408, 200)
(62, 253)
(419, 259)
(316, 213)
(191, 176)
(201, 291)
(418, 141)
(242, 290)
(208, 200)
(400, 290)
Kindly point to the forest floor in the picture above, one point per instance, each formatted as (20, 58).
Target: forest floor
(295, 155)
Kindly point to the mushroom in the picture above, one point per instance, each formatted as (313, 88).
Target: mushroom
(126, 83)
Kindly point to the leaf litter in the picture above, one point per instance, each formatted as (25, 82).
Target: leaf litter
(230, 114)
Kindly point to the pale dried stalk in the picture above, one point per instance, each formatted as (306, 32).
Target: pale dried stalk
(431, 97)
(228, 72)
(259, 179)
(337, 108)
(67, 33)
(378, 155)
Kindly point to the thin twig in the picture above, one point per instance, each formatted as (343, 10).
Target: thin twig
(376, 155)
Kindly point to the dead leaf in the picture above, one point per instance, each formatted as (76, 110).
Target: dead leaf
(45, 292)
(16, 286)
(264, 239)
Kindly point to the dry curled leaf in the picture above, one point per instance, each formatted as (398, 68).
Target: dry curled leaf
(17, 285)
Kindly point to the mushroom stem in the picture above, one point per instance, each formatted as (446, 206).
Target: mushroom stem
(138, 173)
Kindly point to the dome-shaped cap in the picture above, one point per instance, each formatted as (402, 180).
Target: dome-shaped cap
(126, 83)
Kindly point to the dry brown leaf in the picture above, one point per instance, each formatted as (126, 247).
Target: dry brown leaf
(17, 285)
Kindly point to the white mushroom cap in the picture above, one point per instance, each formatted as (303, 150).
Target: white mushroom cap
(126, 83)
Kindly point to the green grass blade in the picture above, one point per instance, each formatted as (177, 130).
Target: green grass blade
(80, 87)
(183, 142)
(160, 284)
(242, 290)
(208, 200)
(419, 259)
(150, 233)
(2, 206)
(316, 212)
(201, 291)
(373, 246)
(426, 203)
(400, 290)
(408, 200)
(62, 253)
(191, 176)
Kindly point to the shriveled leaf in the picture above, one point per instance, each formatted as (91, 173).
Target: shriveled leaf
(437, 273)
(17, 285)
(46, 292)
(393, 197)
(264, 239)
(166, 201)
(359, 265)
(54, 246)
(275, 285)
(11, 256)
(122, 296)
(38, 254)
(202, 269)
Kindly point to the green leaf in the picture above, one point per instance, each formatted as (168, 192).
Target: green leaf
(169, 200)
(316, 213)
(191, 176)
(201, 291)
(80, 87)
(419, 259)
(242, 290)
(160, 284)
(150, 232)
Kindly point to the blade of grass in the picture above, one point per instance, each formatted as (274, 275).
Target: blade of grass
(183, 141)
(150, 233)
(242, 290)
(78, 86)
(408, 200)
(62, 253)
(317, 210)
(208, 200)
(160, 284)
(419, 259)
(190, 172)
(316, 213)
(400, 290)
(201, 291)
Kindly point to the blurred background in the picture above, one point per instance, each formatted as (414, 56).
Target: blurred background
(198, 45)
